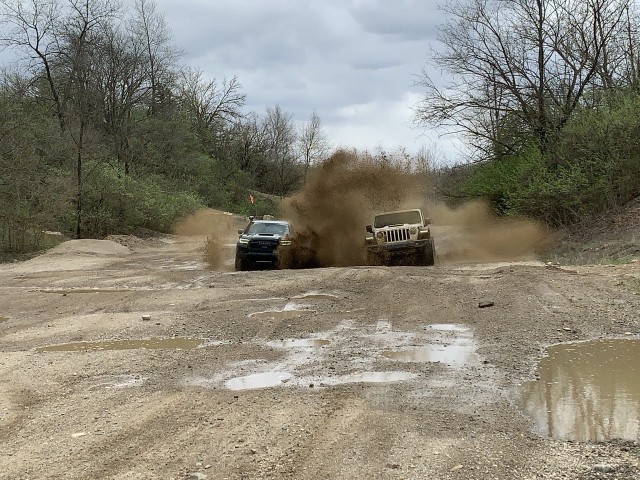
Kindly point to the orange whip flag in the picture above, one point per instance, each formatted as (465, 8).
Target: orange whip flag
(251, 198)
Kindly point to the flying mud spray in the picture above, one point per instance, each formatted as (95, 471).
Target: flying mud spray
(342, 195)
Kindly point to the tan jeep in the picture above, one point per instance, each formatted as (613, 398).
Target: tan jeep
(401, 237)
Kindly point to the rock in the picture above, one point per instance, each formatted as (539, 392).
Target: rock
(485, 303)
(197, 476)
(146, 318)
(603, 468)
(457, 467)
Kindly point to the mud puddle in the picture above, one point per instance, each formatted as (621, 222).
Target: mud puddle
(452, 345)
(4, 319)
(281, 314)
(258, 380)
(455, 355)
(148, 344)
(316, 296)
(300, 343)
(84, 290)
(586, 391)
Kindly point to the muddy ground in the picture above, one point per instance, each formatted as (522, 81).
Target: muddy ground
(339, 397)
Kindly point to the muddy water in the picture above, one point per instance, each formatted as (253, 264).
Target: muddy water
(300, 343)
(4, 319)
(455, 354)
(258, 380)
(149, 344)
(456, 348)
(587, 391)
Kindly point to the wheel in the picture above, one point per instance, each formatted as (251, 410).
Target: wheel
(373, 259)
(241, 264)
(430, 253)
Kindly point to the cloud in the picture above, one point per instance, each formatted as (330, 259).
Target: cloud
(355, 62)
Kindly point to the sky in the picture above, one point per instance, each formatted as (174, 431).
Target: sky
(355, 62)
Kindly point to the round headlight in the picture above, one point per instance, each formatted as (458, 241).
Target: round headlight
(413, 231)
(380, 235)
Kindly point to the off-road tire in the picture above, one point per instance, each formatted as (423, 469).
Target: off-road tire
(373, 259)
(240, 264)
(430, 253)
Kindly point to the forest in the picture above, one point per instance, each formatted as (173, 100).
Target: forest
(103, 130)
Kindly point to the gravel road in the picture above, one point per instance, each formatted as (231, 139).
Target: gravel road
(131, 359)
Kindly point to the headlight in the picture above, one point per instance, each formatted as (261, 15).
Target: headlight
(413, 231)
(424, 233)
(285, 243)
(380, 235)
(243, 241)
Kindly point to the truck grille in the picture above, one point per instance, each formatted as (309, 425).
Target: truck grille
(396, 235)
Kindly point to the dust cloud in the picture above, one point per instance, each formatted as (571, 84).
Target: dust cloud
(330, 213)
(344, 193)
(219, 232)
(474, 233)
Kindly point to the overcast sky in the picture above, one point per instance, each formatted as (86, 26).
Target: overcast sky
(354, 61)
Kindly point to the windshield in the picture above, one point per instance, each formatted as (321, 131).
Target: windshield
(268, 228)
(398, 218)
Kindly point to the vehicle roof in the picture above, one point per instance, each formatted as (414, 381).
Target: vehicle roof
(282, 222)
(400, 211)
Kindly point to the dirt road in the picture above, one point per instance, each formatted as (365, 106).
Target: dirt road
(165, 369)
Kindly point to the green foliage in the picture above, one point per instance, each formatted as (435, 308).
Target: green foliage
(117, 203)
(592, 165)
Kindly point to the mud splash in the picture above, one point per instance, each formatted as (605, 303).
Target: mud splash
(330, 213)
(587, 391)
(221, 232)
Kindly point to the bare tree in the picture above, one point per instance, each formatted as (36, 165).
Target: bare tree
(517, 67)
(312, 142)
(31, 25)
(281, 137)
(154, 34)
(211, 106)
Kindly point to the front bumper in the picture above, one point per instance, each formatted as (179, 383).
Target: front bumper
(392, 249)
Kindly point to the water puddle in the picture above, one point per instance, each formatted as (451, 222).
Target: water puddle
(300, 343)
(449, 327)
(258, 380)
(452, 345)
(587, 391)
(149, 344)
(84, 290)
(316, 296)
(281, 315)
(456, 354)
(4, 319)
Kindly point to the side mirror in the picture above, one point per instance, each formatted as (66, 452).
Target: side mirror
(369, 229)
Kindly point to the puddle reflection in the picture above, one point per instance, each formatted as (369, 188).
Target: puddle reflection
(451, 355)
(258, 380)
(587, 391)
(300, 343)
(149, 344)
